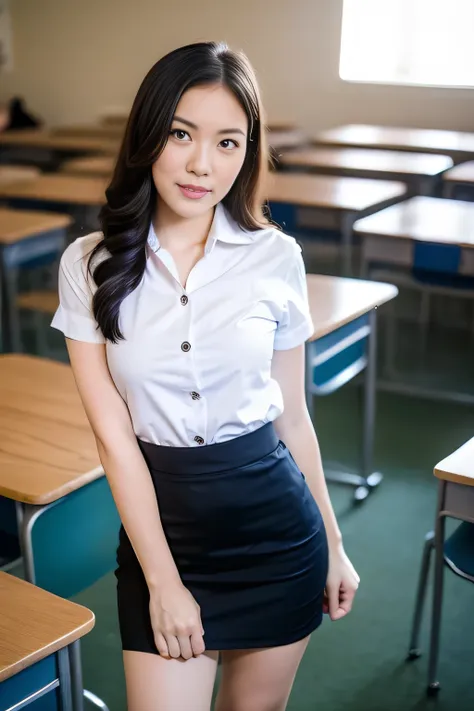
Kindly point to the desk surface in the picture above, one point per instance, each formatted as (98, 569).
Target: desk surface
(423, 218)
(45, 139)
(462, 173)
(113, 133)
(326, 191)
(360, 160)
(335, 301)
(100, 166)
(393, 138)
(17, 173)
(47, 448)
(16, 225)
(459, 466)
(34, 624)
(55, 187)
(280, 137)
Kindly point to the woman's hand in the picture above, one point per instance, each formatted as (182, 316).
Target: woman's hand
(341, 585)
(176, 621)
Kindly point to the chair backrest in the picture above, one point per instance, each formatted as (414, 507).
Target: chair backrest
(284, 215)
(74, 540)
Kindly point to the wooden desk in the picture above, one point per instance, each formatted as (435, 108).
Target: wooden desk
(458, 145)
(68, 189)
(455, 500)
(284, 136)
(343, 345)
(462, 174)
(420, 170)
(48, 452)
(348, 198)
(47, 150)
(458, 468)
(80, 197)
(336, 301)
(35, 624)
(39, 634)
(35, 138)
(107, 132)
(24, 237)
(115, 119)
(40, 409)
(94, 166)
(422, 233)
(16, 173)
(390, 235)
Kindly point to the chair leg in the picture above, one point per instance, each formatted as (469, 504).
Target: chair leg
(424, 321)
(78, 691)
(95, 700)
(414, 651)
(433, 683)
(390, 338)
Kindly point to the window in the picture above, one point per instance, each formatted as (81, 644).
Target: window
(424, 42)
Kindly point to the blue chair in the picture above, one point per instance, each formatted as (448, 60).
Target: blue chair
(314, 241)
(435, 270)
(455, 500)
(68, 545)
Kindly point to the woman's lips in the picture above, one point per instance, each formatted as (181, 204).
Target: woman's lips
(193, 192)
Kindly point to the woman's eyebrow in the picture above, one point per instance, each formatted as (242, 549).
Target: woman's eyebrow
(196, 128)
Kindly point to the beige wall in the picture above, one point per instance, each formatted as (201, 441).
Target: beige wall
(75, 58)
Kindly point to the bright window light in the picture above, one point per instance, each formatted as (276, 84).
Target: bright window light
(423, 42)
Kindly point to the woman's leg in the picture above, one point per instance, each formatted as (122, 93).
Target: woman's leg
(155, 683)
(259, 679)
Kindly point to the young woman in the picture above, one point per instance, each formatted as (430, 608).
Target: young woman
(185, 320)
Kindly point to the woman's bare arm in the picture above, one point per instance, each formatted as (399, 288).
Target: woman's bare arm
(122, 460)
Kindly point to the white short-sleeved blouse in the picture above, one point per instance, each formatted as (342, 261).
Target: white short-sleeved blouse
(195, 365)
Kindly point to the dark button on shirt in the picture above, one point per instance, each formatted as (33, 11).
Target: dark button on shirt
(185, 346)
(199, 439)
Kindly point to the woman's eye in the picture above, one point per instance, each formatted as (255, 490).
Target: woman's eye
(179, 134)
(229, 140)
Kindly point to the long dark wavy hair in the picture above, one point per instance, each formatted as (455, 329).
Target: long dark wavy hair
(131, 197)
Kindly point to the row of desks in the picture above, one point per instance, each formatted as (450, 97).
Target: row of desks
(39, 404)
(457, 144)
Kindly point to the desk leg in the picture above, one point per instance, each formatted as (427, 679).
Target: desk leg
(366, 480)
(77, 686)
(449, 190)
(346, 234)
(9, 312)
(24, 512)
(370, 385)
(64, 681)
(433, 683)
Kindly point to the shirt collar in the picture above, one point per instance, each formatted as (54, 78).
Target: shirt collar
(223, 228)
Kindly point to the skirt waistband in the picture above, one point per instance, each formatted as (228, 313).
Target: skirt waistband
(232, 454)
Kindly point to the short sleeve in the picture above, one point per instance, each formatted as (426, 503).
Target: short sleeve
(74, 316)
(296, 325)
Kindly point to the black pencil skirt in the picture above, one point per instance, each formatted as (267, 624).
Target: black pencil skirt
(247, 538)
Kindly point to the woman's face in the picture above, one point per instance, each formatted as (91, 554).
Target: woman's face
(204, 153)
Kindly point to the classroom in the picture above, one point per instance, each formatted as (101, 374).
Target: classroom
(366, 138)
